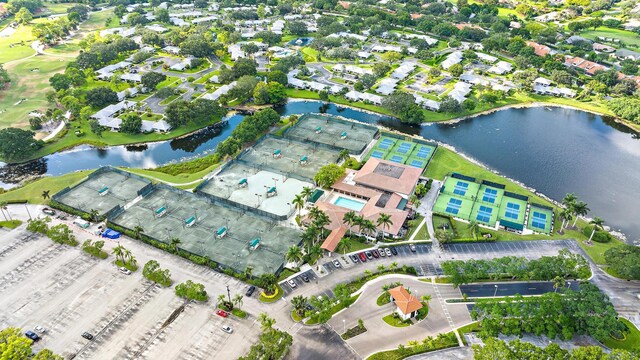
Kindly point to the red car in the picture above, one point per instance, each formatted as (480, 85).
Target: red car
(362, 257)
(222, 313)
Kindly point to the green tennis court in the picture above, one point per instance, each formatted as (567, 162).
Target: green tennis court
(490, 195)
(484, 214)
(512, 212)
(460, 188)
(400, 151)
(453, 206)
(540, 219)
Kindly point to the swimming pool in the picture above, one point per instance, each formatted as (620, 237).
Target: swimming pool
(349, 203)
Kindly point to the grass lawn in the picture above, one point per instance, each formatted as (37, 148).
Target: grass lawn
(10, 224)
(151, 117)
(395, 321)
(310, 54)
(413, 225)
(32, 192)
(276, 297)
(19, 51)
(383, 299)
(285, 273)
(631, 341)
(423, 233)
(295, 316)
(30, 85)
(443, 341)
(239, 313)
(306, 94)
(56, 8)
(183, 178)
(630, 38)
(170, 99)
(355, 245)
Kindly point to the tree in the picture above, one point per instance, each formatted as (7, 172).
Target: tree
(266, 323)
(384, 221)
(244, 88)
(23, 16)
(153, 272)
(349, 219)
(450, 105)
(597, 222)
(16, 144)
(14, 345)
(237, 300)
(443, 236)
(297, 28)
(298, 203)
(299, 304)
(566, 215)
(380, 69)
(404, 106)
(368, 80)
(173, 244)
(46, 354)
(250, 48)
(557, 283)
(151, 79)
(624, 260)
(131, 123)
(474, 228)
(101, 96)
(456, 70)
(328, 175)
(192, 291)
(294, 254)
(162, 15)
(244, 67)
(343, 246)
(269, 37)
(579, 209)
(277, 76)
(95, 127)
(268, 282)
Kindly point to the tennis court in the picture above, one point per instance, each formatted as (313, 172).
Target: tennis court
(454, 206)
(513, 210)
(540, 219)
(461, 188)
(329, 130)
(199, 224)
(484, 214)
(102, 191)
(490, 195)
(402, 151)
(247, 185)
(285, 156)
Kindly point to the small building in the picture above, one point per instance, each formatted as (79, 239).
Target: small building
(407, 305)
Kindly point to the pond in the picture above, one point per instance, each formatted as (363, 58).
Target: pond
(554, 150)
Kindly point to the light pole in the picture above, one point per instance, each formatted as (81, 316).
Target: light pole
(259, 197)
(229, 294)
(344, 326)
(275, 182)
(496, 291)
(568, 284)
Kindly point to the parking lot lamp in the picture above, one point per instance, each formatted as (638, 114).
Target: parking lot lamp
(495, 292)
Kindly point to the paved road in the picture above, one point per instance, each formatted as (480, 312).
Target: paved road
(508, 289)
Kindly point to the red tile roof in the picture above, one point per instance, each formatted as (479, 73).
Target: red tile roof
(376, 173)
(332, 241)
(540, 50)
(406, 302)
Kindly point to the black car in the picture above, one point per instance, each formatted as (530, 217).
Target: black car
(48, 211)
(304, 277)
(308, 307)
(87, 336)
(368, 254)
(394, 251)
(250, 290)
(31, 335)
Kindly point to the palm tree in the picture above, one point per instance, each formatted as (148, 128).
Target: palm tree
(580, 209)
(268, 282)
(306, 192)
(222, 298)
(266, 323)
(569, 199)
(597, 222)
(3, 206)
(349, 219)
(173, 244)
(298, 203)
(314, 212)
(369, 227)
(343, 246)
(118, 251)
(384, 221)
(248, 272)
(45, 194)
(315, 252)
(126, 256)
(474, 228)
(415, 201)
(299, 303)
(137, 231)
(237, 300)
(381, 268)
(566, 216)
(343, 155)
(426, 298)
(93, 213)
(359, 222)
(393, 265)
(294, 254)
(557, 282)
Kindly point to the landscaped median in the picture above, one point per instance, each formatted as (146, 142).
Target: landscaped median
(442, 341)
(273, 297)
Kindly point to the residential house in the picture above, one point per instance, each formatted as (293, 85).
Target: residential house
(589, 67)
(359, 96)
(407, 305)
(452, 59)
(540, 50)
(501, 68)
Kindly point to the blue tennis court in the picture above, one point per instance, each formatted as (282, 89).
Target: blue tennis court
(377, 154)
(417, 163)
(384, 146)
(424, 152)
(403, 150)
(512, 210)
(539, 220)
(385, 143)
(490, 195)
(453, 206)
(461, 188)
(397, 158)
(484, 214)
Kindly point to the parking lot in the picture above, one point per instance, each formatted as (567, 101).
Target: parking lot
(69, 292)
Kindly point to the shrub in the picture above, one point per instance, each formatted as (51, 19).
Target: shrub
(94, 249)
(192, 291)
(153, 272)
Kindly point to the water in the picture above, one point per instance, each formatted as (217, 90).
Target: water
(349, 203)
(555, 151)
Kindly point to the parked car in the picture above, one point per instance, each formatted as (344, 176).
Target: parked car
(40, 330)
(227, 329)
(124, 271)
(48, 211)
(308, 306)
(222, 313)
(387, 251)
(250, 291)
(381, 252)
(394, 251)
(292, 283)
(31, 335)
(87, 336)
(412, 247)
(354, 258)
(375, 253)
(337, 263)
(362, 257)
(369, 255)
(304, 277)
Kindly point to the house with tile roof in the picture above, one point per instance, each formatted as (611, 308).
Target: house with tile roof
(407, 305)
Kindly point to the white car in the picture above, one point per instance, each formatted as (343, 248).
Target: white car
(40, 330)
(336, 263)
(124, 271)
(227, 329)
(382, 253)
(292, 283)
(387, 251)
